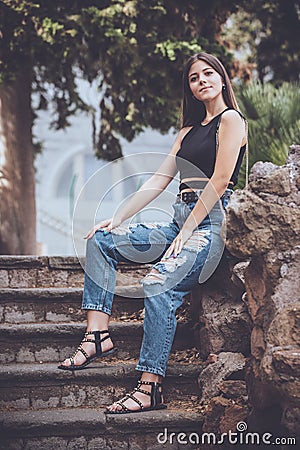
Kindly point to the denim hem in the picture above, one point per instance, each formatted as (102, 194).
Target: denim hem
(150, 370)
(96, 308)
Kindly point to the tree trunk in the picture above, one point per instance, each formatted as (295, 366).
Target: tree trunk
(17, 175)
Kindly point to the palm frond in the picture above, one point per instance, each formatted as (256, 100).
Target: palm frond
(274, 121)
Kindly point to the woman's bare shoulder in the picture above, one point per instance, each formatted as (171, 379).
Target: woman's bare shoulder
(232, 116)
(180, 135)
(232, 121)
(183, 131)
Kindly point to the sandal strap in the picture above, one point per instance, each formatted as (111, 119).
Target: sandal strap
(97, 341)
(96, 331)
(149, 383)
(156, 391)
(88, 340)
(132, 397)
(136, 400)
(155, 395)
(104, 338)
(80, 349)
(137, 389)
(120, 403)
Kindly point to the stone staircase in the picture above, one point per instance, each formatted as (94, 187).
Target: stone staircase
(43, 407)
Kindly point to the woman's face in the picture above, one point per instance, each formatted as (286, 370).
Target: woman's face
(205, 83)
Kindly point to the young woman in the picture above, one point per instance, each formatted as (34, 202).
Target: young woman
(207, 152)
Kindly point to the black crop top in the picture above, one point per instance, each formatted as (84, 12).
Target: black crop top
(198, 148)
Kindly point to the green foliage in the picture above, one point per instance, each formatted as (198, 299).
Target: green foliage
(40, 37)
(274, 120)
(135, 48)
(269, 34)
(242, 34)
(279, 47)
(142, 47)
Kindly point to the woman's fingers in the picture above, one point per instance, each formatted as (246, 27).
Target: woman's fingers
(174, 248)
(105, 225)
(177, 245)
(169, 251)
(90, 233)
(99, 226)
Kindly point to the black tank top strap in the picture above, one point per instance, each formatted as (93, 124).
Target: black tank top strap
(229, 109)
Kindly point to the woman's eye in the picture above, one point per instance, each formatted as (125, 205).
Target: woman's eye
(193, 79)
(209, 72)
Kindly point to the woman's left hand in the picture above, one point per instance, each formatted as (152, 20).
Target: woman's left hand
(178, 243)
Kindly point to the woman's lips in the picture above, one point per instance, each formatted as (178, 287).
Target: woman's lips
(205, 88)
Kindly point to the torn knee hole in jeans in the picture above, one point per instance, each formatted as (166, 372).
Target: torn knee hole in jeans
(150, 225)
(171, 264)
(197, 241)
(158, 273)
(121, 229)
(126, 228)
(154, 277)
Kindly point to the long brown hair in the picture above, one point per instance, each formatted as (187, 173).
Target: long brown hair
(193, 110)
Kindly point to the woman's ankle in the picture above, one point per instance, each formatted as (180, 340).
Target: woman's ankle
(97, 320)
(151, 377)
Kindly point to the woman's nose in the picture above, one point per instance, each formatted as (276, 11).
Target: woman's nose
(202, 79)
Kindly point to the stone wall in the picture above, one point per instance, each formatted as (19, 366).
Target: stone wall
(263, 225)
(56, 271)
(223, 324)
(222, 336)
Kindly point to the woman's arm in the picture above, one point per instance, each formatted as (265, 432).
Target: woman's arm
(231, 136)
(148, 191)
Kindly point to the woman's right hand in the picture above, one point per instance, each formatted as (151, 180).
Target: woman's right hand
(105, 225)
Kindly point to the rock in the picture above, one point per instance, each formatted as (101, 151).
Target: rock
(232, 416)
(238, 273)
(223, 324)
(228, 365)
(291, 419)
(263, 224)
(214, 411)
(261, 169)
(287, 361)
(286, 285)
(212, 358)
(223, 415)
(260, 393)
(277, 182)
(258, 344)
(233, 389)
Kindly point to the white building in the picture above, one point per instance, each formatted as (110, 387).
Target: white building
(75, 189)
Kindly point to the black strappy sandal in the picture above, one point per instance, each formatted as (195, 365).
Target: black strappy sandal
(99, 353)
(155, 394)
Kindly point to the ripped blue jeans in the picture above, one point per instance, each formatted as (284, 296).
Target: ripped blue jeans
(169, 279)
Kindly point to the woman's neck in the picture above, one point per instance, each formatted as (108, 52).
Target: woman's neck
(213, 109)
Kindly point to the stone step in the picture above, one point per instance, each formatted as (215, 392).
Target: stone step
(43, 386)
(56, 271)
(29, 305)
(90, 429)
(40, 271)
(49, 342)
